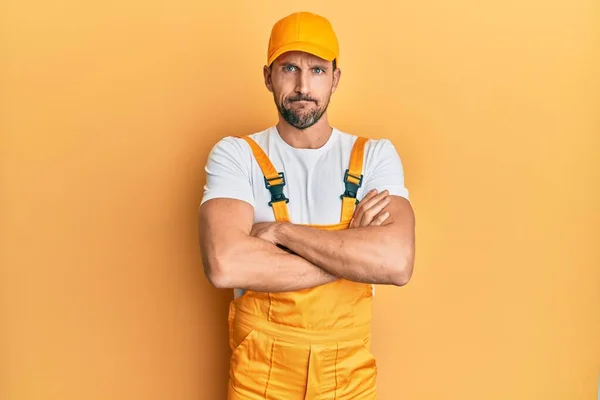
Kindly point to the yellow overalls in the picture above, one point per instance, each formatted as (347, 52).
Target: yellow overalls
(308, 344)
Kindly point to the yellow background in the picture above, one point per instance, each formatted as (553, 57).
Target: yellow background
(109, 110)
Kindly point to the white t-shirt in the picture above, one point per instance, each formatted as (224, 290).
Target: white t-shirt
(314, 177)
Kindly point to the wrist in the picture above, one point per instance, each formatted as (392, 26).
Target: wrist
(279, 233)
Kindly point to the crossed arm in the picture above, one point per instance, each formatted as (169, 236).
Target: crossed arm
(371, 254)
(379, 247)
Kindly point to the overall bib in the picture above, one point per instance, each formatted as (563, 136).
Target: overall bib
(310, 344)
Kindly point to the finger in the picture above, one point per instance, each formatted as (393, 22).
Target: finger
(380, 219)
(366, 198)
(370, 194)
(379, 196)
(364, 202)
(373, 200)
(379, 206)
(360, 207)
(369, 215)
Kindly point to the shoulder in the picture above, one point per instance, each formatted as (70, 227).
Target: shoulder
(382, 166)
(236, 146)
(374, 148)
(378, 148)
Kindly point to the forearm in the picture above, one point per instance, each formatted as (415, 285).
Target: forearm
(368, 254)
(255, 264)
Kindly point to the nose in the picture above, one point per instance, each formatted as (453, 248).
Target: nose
(303, 83)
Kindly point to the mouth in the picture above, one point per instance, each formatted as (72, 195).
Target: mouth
(303, 102)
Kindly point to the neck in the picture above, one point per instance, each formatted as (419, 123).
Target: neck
(310, 138)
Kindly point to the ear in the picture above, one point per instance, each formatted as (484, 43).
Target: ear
(267, 72)
(337, 74)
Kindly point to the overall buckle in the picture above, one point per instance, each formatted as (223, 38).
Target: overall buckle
(277, 189)
(351, 188)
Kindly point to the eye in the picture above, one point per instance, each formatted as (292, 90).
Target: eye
(289, 68)
(319, 70)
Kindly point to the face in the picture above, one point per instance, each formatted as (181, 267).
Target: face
(302, 85)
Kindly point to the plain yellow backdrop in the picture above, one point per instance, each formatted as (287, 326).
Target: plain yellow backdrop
(109, 110)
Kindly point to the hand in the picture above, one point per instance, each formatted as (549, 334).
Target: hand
(268, 231)
(265, 231)
(368, 212)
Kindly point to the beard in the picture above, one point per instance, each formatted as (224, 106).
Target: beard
(301, 118)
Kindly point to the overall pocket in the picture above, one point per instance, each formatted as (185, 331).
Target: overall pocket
(250, 360)
(356, 369)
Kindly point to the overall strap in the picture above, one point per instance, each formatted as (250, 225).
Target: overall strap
(274, 181)
(353, 179)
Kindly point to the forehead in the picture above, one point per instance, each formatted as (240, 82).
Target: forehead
(300, 57)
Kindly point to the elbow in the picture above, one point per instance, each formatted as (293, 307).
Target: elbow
(401, 277)
(219, 280)
(401, 271)
(217, 270)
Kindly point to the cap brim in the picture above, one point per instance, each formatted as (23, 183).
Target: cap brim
(306, 47)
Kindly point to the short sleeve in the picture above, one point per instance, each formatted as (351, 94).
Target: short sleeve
(383, 169)
(228, 172)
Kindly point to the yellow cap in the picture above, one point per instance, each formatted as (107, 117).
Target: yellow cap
(303, 31)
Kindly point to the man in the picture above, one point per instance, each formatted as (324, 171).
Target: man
(279, 224)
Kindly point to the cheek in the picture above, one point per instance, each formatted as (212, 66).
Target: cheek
(324, 92)
(279, 95)
(281, 90)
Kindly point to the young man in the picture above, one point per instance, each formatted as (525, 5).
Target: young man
(280, 224)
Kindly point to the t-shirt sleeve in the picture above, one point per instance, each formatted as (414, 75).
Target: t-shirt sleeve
(228, 172)
(383, 169)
